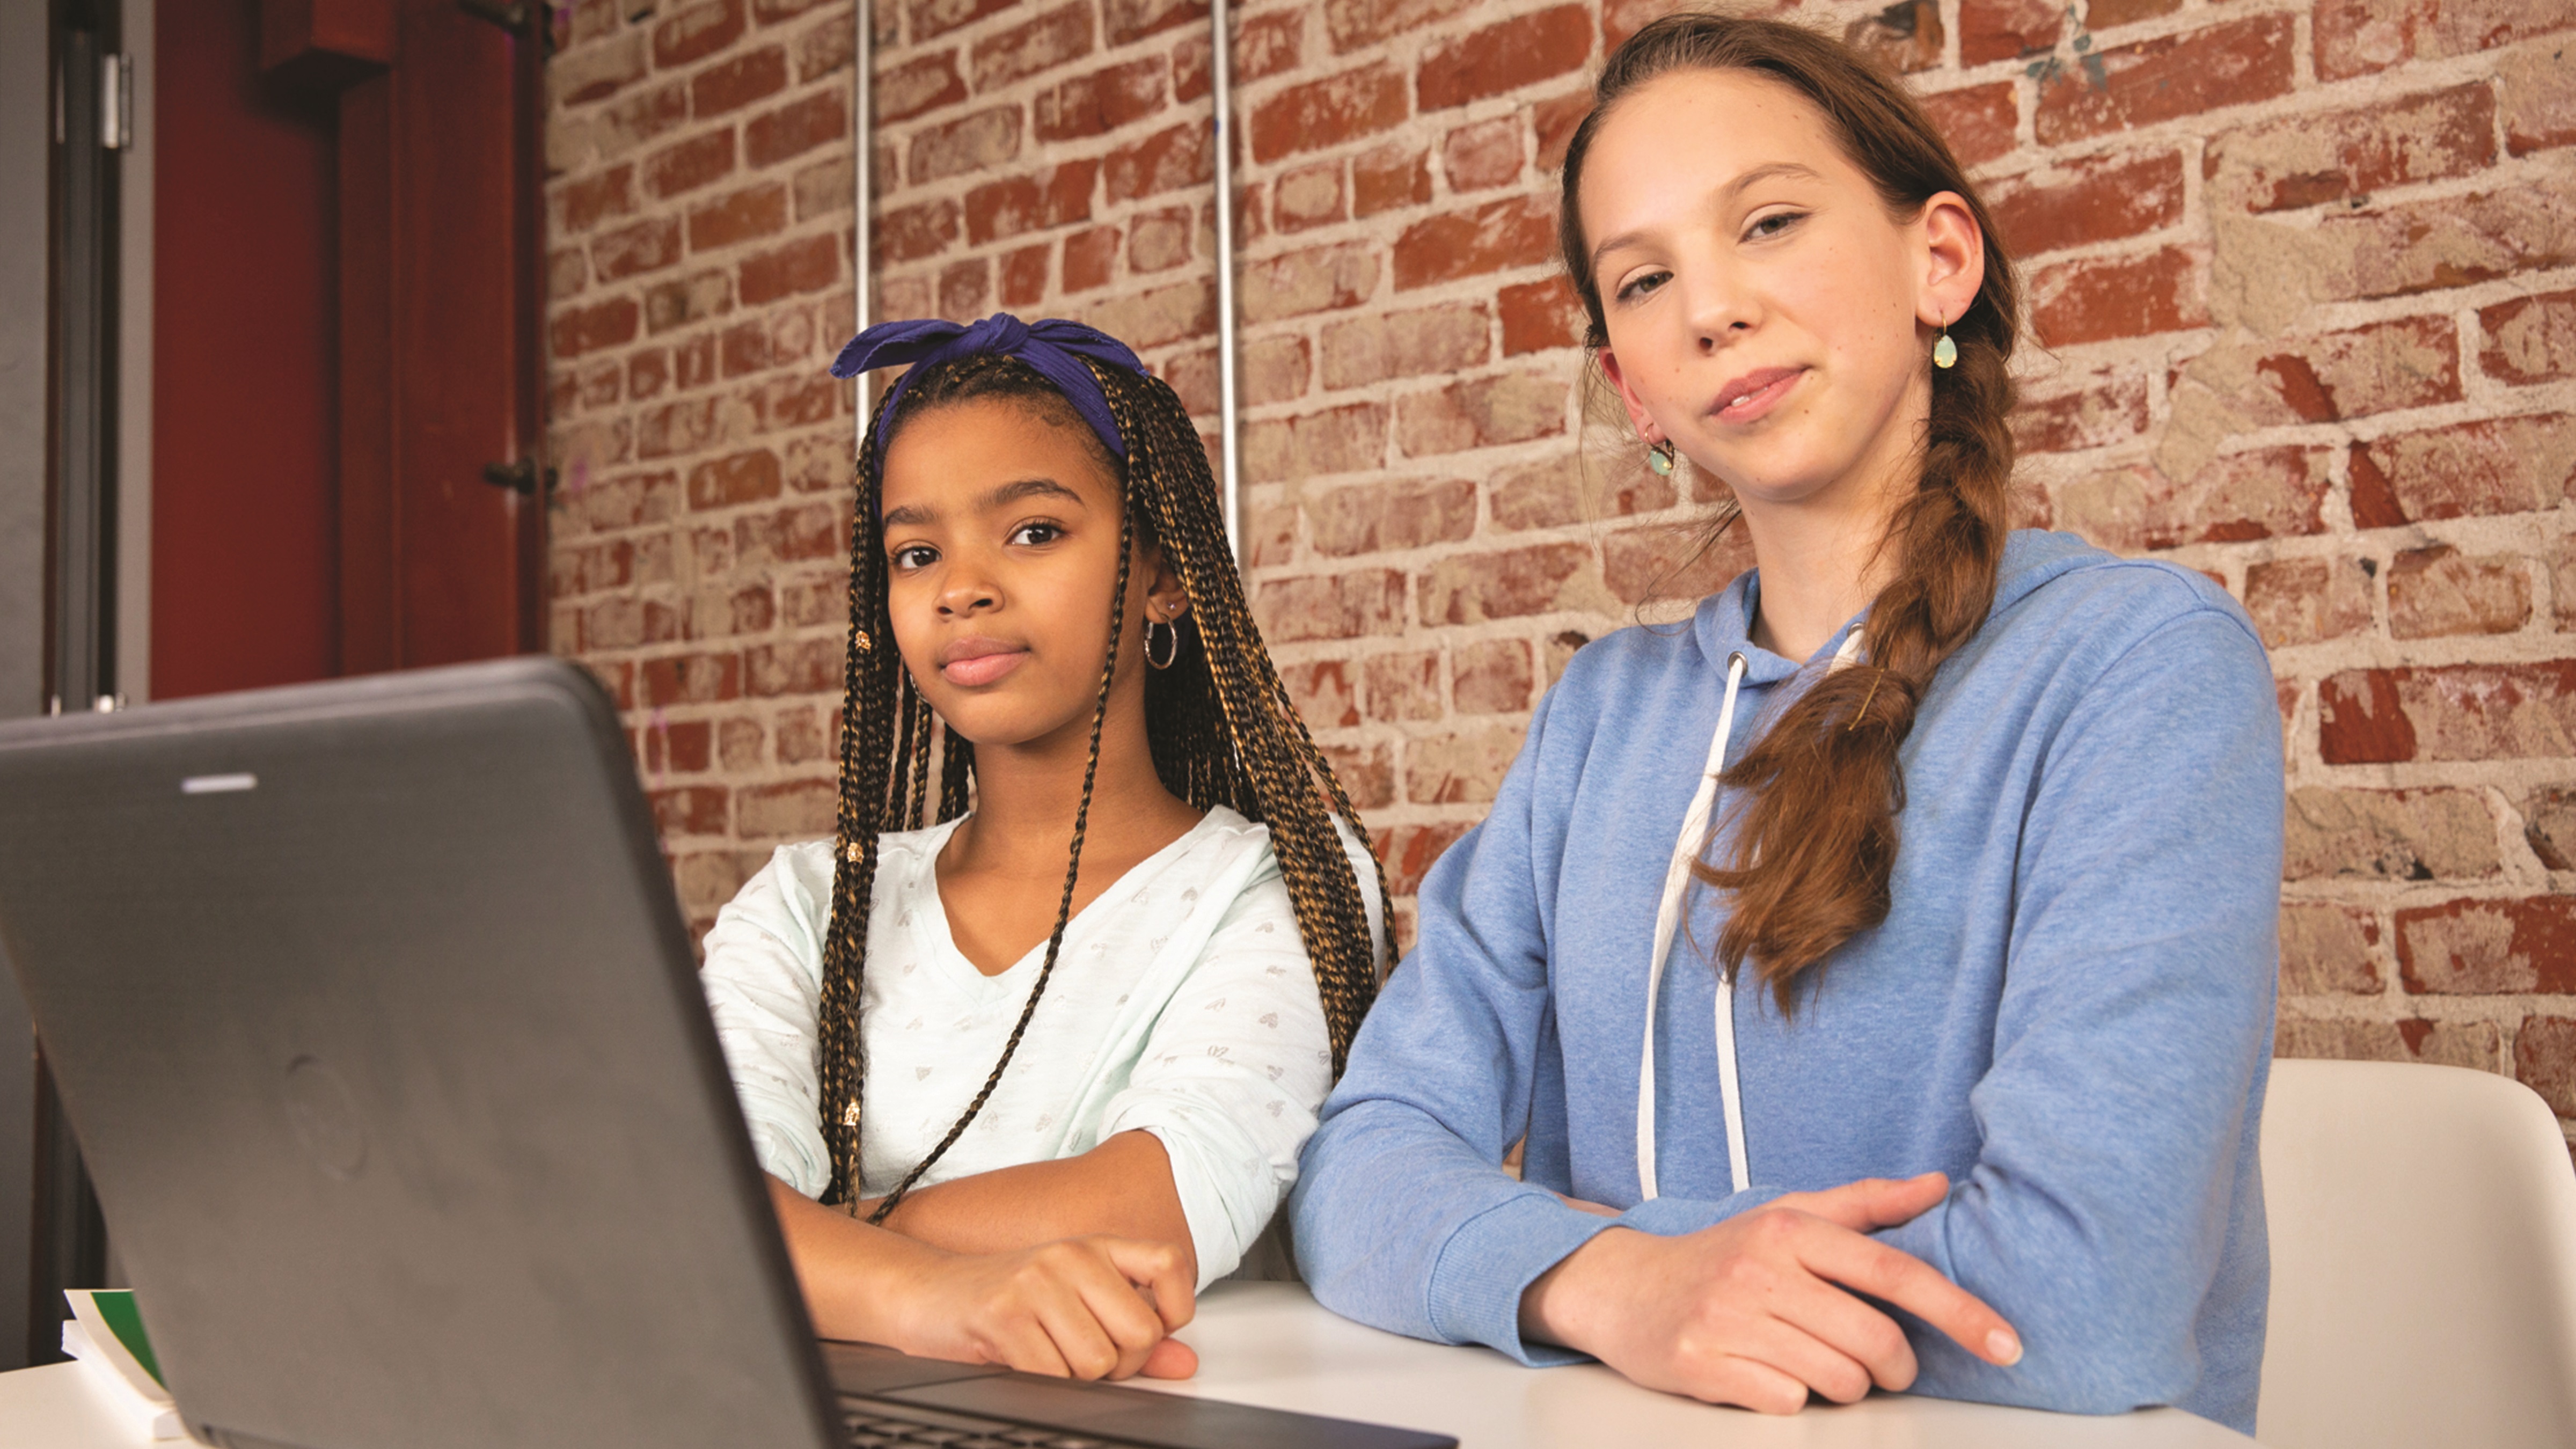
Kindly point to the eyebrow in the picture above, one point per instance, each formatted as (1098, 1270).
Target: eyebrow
(914, 515)
(1773, 171)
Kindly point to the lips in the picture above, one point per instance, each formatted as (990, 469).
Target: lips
(970, 662)
(1750, 397)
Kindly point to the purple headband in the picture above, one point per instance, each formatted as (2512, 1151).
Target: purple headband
(1054, 347)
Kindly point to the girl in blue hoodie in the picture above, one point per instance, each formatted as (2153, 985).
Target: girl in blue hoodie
(1878, 967)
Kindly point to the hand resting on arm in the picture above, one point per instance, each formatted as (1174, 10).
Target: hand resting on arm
(1763, 1309)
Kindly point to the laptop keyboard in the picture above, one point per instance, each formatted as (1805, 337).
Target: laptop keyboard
(876, 1424)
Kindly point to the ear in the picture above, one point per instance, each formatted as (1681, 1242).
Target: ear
(1638, 417)
(1166, 598)
(1954, 260)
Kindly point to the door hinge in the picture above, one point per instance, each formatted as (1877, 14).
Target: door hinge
(519, 477)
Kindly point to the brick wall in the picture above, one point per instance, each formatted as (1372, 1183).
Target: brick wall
(2305, 269)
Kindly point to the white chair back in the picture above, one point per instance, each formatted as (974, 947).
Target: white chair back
(2423, 1231)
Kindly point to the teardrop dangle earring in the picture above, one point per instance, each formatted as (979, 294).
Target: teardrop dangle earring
(1660, 458)
(1945, 353)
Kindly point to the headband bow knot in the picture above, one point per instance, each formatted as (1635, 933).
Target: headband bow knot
(1054, 347)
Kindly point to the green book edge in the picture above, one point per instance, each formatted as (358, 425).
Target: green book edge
(116, 1306)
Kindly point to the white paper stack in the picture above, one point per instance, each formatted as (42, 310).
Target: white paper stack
(91, 1335)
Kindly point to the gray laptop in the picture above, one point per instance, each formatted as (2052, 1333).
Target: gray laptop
(376, 1017)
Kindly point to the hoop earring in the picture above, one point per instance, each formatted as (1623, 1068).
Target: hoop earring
(1172, 632)
(1660, 458)
(1945, 353)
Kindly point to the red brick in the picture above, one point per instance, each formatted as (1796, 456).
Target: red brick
(2473, 1044)
(1322, 693)
(1991, 30)
(1491, 676)
(1054, 38)
(1158, 241)
(2327, 950)
(1481, 413)
(1504, 57)
(588, 202)
(2103, 410)
(2179, 75)
(2097, 300)
(938, 17)
(1552, 123)
(1024, 277)
(2438, 592)
(1392, 514)
(1518, 231)
(696, 32)
(1404, 686)
(2544, 1059)
(2267, 493)
(1466, 768)
(2539, 99)
(738, 82)
(577, 330)
(1309, 196)
(1169, 160)
(1129, 21)
(1465, 588)
(806, 666)
(965, 290)
(1058, 196)
(1337, 606)
(2308, 600)
(628, 623)
(1441, 339)
(2498, 465)
(2452, 712)
(574, 571)
(825, 48)
(2411, 362)
(1101, 102)
(796, 128)
(794, 810)
(1668, 561)
(909, 233)
(1977, 121)
(1367, 774)
(2309, 160)
(1349, 439)
(917, 87)
(1317, 279)
(806, 531)
(689, 164)
(2356, 37)
(683, 746)
(1268, 45)
(647, 373)
(2486, 947)
(683, 426)
(2404, 835)
(2455, 241)
(754, 211)
(690, 810)
(2529, 339)
(1090, 258)
(1905, 37)
(1411, 850)
(735, 479)
(1183, 310)
(632, 250)
(2098, 199)
(1328, 112)
(743, 348)
(691, 679)
(2549, 825)
(804, 735)
(595, 72)
(809, 265)
(970, 143)
(1483, 155)
(1573, 487)
(1356, 24)
(1390, 177)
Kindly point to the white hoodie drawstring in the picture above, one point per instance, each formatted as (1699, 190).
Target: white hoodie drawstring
(1668, 915)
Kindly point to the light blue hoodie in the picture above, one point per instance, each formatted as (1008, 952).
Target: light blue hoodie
(2068, 1009)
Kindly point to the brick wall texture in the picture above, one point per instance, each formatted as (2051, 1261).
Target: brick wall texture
(2304, 272)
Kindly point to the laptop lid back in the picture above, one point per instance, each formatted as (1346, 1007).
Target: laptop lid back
(376, 1017)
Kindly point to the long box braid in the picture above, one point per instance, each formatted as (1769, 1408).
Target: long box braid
(1220, 724)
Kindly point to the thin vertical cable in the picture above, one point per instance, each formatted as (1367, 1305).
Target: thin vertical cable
(1221, 69)
(863, 131)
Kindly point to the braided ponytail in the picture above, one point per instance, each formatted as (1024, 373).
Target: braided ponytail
(1815, 824)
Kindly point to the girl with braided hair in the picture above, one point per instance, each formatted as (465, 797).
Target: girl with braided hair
(1879, 965)
(1029, 1056)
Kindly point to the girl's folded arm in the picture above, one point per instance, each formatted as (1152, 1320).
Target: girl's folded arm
(1404, 1217)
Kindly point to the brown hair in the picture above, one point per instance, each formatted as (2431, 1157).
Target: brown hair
(1219, 722)
(1815, 830)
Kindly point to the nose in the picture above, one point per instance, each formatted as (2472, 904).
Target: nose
(967, 590)
(1721, 307)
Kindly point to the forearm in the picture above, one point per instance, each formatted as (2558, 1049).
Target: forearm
(1123, 1188)
(853, 1275)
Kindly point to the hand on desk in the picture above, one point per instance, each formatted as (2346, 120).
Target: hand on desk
(1079, 1267)
(1755, 1311)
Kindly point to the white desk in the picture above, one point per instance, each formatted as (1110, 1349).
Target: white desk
(1269, 1344)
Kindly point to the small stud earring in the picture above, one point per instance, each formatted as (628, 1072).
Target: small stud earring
(1660, 458)
(1945, 353)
